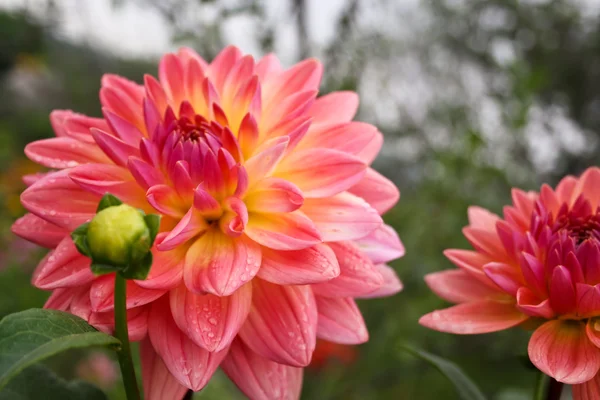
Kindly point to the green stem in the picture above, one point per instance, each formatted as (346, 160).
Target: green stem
(547, 388)
(121, 333)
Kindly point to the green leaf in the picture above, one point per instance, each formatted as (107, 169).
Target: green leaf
(138, 270)
(79, 238)
(466, 389)
(153, 223)
(108, 201)
(38, 379)
(30, 336)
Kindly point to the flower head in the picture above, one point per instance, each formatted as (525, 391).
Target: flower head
(541, 262)
(270, 217)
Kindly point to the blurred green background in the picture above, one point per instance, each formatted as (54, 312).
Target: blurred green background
(474, 97)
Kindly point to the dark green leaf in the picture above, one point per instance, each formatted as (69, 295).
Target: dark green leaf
(153, 223)
(541, 387)
(466, 389)
(108, 201)
(138, 270)
(79, 238)
(30, 336)
(38, 382)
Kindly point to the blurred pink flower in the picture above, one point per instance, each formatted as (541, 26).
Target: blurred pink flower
(270, 218)
(98, 368)
(541, 262)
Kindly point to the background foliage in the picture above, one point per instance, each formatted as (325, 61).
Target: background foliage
(474, 97)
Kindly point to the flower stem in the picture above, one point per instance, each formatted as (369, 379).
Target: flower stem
(121, 333)
(547, 388)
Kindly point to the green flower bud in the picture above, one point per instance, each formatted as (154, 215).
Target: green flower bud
(118, 235)
(118, 239)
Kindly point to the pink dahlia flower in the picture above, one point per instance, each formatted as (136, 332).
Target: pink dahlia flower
(270, 218)
(541, 262)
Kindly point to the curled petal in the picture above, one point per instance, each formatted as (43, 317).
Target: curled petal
(63, 267)
(456, 286)
(64, 152)
(334, 107)
(321, 172)
(167, 269)
(116, 149)
(212, 322)
(274, 195)
(59, 200)
(391, 283)
(191, 225)
(282, 323)
(39, 231)
(358, 275)
(562, 350)
(159, 383)
(283, 231)
(342, 217)
(377, 190)
(219, 264)
(265, 159)
(340, 321)
(382, 245)
(592, 329)
(531, 305)
(166, 200)
(260, 378)
(190, 364)
(299, 267)
(476, 317)
(102, 294)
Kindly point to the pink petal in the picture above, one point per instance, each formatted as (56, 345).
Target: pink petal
(358, 275)
(77, 126)
(124, 98)
(357, 138)
(268, 67)
(145, 175)
(212, 322)
(321, 172)
(137, 322)
(167, 269)
(588, 299)
(57, 120)
(476, 317)
(284, 231)
(260, 378)
(191, 225)
(222, 64)
(158, 382)
(391, 284)
(39, 231)
(170, 73)
(166, 201)
(218, 264)
(303, 76)
(191, 365)
(59, 200)
(63, 267)
(589, 390)
(105, 178)
(481, 218)
(562, 291)
(116, 149)
(533, 306)
(335, 107)
(471, 262)
(457, 286)
(103, 290)
(562, 350)
(265, 159)
(589, 187)
(64, 152)
(299, 267)
(272, 195)
(282, 323)
(124, 129)
(485, 241)
(377, 190)
(340, 321)
(381, 245)
(342, 217)
(507, 277)
(60, 299)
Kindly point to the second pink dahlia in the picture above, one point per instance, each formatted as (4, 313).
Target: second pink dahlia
(270, 225)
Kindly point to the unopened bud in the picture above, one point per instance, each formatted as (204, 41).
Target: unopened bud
(118, 238)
